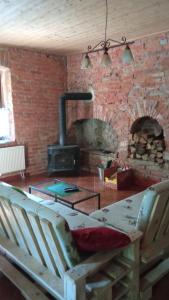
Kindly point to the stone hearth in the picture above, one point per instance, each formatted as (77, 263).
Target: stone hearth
(90, 159)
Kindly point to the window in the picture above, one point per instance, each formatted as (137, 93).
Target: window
(6, 107)
(0, 94)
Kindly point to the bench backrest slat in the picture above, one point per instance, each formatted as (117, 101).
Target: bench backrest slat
(2, 226)
(27, 232)
(6, 222)
(47, 256)
(54, 247)
(164, 223)
(15, 226)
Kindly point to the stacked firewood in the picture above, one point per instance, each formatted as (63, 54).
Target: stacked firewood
(147, 147)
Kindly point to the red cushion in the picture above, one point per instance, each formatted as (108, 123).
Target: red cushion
(99, 239)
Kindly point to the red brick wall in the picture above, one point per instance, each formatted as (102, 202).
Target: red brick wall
(125, 92)
(37, 81)
(122, 94)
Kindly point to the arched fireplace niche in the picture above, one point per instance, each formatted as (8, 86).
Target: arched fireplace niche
(95, 134)
(147, 140)
(97, 140)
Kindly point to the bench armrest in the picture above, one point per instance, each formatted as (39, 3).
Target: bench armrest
(75, 279)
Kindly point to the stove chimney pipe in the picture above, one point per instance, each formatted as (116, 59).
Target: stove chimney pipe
(62, 112)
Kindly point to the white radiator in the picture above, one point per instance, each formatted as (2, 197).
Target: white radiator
(12, 159)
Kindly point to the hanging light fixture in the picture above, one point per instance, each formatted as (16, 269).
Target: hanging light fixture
(127, 57)
(106, 59)
(86, 62)
(105, 45)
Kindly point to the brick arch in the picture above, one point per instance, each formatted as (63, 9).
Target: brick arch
(149, 108)
(102, 113)
(118, 119)
(155, 109)
(111, 116)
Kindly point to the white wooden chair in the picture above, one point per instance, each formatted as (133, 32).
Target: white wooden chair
(147, 211)
(29, 238)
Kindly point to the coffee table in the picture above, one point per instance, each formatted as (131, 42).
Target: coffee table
(50, 188)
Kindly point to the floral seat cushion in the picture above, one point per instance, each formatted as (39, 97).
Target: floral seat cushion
(121, 215)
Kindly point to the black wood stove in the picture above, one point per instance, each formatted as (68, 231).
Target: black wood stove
(64, 157)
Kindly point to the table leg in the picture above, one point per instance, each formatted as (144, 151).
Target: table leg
(99, 201)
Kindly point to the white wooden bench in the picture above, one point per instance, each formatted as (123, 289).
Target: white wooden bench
(147, 211)
(29, 238)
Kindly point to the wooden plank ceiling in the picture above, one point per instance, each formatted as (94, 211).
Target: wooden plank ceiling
(65, 26)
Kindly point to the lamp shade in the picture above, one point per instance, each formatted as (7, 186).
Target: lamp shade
(86, 62)
(106, 60)
(127, 57)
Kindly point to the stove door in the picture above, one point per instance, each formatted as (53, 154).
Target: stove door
(63, 159)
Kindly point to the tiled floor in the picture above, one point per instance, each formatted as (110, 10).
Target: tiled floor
(89, 181)
(8, 291)
(108, 196)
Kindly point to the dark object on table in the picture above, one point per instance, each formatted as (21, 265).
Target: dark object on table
(71, 189)
(106, 151)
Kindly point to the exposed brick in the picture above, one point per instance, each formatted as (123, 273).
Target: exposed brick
(124, 93)
(37, 81)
